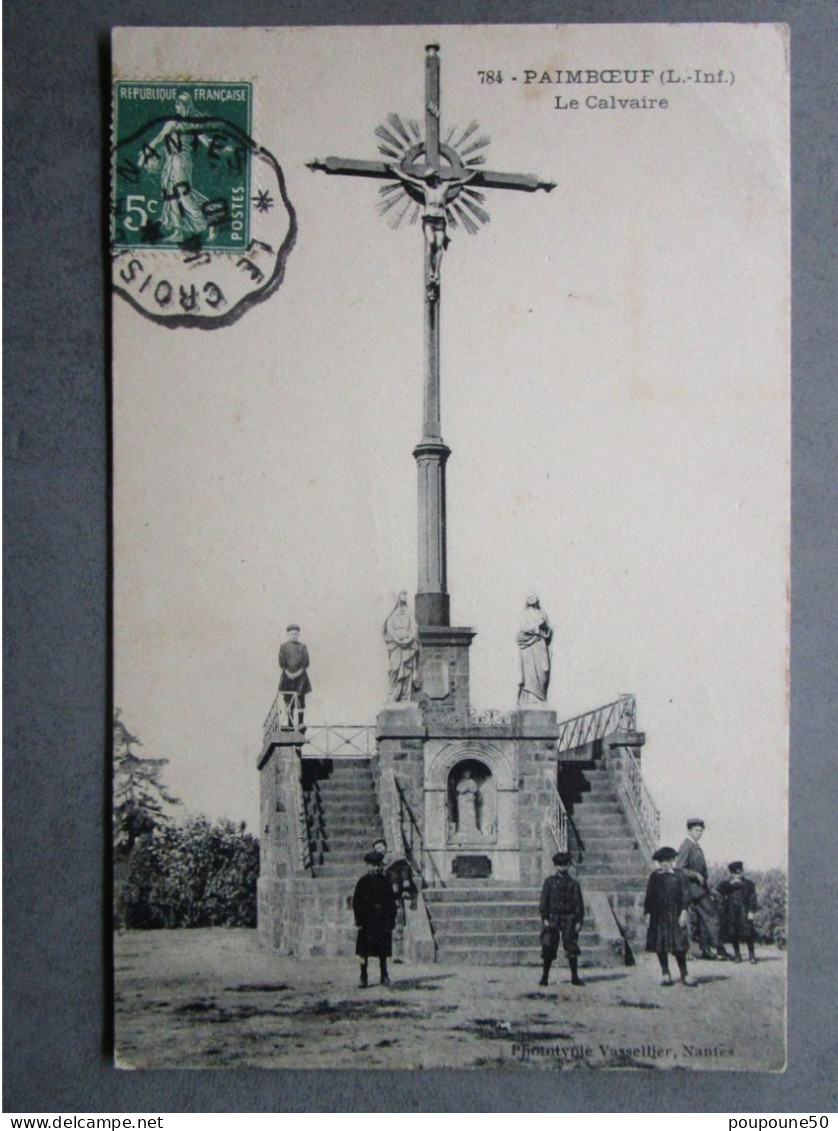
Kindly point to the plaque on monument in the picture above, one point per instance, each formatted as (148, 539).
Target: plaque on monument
(451, 440)
(472, 867)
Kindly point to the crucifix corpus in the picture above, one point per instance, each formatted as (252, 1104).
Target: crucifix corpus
(442, 180)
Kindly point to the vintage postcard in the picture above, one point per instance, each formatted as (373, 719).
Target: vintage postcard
(451, 531)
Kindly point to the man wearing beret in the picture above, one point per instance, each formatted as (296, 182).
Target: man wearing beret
(294, 682)
(562, 912)
(374, 905)
(691, 861)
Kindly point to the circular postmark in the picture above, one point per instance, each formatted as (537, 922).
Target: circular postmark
(201, 225)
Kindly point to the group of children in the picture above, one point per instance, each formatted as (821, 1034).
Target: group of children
(677, 885)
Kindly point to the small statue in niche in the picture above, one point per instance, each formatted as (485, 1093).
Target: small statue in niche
(468, 795)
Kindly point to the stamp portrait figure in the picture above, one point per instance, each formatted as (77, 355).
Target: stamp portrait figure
(182, 214)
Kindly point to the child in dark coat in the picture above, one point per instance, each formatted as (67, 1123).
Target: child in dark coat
(667, 905)
(374, 905)
(739, 908)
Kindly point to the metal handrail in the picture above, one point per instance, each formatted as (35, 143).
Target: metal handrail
(558, 821)
(489, 717)
(348, 740)
(641, 799)
(595, 725)
(339, 742)
(579, 843)
(409, 853)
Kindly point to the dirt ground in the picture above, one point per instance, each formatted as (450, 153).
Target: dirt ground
(207, 998)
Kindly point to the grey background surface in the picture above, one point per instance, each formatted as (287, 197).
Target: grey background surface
(56, 461)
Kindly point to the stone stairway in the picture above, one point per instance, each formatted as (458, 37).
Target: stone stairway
(612, 860)
(495, 926)
(342, 816)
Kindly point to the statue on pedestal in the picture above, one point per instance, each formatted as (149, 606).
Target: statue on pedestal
(467, 797)
(400, 636)
(533, 640)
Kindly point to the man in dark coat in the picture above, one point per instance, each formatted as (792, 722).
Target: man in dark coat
(294, 681)
(739, 908)
(667, 905)
(562, 911)
(374, 904)
(691, 861)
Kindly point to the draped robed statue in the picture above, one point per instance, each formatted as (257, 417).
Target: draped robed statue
(401, 638)
(533, 639)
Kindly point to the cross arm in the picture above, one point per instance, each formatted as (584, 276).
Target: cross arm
(350, 167)
(525, 182)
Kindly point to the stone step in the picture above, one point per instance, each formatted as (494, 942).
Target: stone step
(343, 859)
(596, 808)
(599, 862)
(520, 956)
(528, 935)
(361, 829)
(471, 911)
(612, 883)
(592, 824)
(336, 790)
(601, 840)
(455, 893)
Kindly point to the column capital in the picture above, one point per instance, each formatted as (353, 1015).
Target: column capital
(432, 448)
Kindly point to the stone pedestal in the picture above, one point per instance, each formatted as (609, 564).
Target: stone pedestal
(444, 666)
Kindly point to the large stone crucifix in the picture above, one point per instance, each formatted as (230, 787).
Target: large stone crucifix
(443, 181)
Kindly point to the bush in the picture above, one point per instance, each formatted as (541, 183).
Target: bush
(196, 874)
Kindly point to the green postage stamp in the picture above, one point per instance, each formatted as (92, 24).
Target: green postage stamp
(200, 223)
(182, 164)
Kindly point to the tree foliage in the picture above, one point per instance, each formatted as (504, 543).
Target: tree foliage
(200, 873)
(141, 803)
(191, 873)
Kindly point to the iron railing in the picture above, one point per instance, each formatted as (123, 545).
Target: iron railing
(621, 715)
(488, 717)
(412, 840)
(282, 715)
(319, 741)
(339, 742)
(558, 821)
(640, 798)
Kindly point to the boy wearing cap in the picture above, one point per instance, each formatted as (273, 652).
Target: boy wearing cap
(562, 912)
(667, 905)
(739, 908)
(294, 681)
(691, 861)
(374, 905)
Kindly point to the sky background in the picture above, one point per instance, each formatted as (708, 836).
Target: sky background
(614, 391)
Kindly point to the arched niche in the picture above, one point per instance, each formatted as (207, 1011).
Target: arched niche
(437, 772)
(471, 803)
